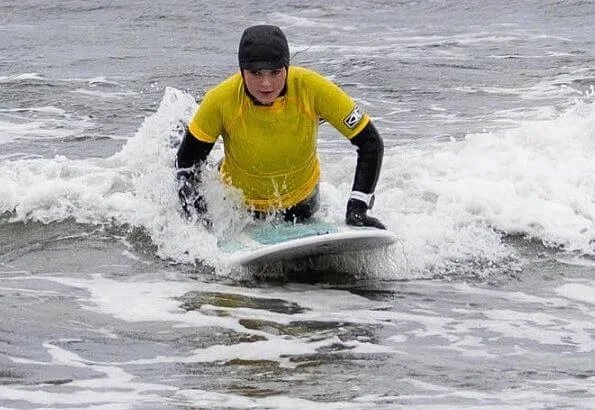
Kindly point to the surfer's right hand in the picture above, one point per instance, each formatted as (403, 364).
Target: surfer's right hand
(190, 198)
(357, 215)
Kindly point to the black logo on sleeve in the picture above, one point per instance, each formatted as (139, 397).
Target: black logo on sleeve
(354, 117)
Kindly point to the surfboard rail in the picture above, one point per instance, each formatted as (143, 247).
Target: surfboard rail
(266, 244)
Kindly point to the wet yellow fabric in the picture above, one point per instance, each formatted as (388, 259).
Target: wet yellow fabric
(270, 151)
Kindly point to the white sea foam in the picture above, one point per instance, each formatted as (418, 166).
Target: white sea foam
(21, 77)
(47, 122)
(102, 94)
(214, 400)
(536, 180)
(582, 292)
(447, 201)
(48, 128)
(556, 87)
(450, 198)
(489, 334)
(469, 332)
(288, 20)
(102, 80)
(46, 110)
(454, 331)
(107, 388)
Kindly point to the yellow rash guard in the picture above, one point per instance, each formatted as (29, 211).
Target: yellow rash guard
(270, 151)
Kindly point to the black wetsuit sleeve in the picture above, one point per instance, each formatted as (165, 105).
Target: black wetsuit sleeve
(370, 150)
(192, 152)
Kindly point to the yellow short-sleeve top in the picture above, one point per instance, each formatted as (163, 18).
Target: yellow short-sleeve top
(270, 151)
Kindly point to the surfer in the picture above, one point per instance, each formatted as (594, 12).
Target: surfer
(268, 116)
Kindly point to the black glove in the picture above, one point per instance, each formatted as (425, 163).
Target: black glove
(191, 200)
(357, 215)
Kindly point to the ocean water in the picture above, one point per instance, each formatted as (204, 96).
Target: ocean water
(111, 300)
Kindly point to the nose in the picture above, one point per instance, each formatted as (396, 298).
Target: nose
(266, 81)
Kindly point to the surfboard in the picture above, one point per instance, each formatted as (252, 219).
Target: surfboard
(273, 242)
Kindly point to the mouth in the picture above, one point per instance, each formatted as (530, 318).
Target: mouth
(266, 96)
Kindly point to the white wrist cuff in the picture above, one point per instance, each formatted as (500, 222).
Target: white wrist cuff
(367, 198)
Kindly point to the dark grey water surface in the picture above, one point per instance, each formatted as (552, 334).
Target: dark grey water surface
(110, 300)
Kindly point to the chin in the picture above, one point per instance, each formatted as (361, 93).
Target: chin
(267, 100)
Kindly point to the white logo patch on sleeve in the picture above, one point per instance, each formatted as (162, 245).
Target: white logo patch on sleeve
(354, 117)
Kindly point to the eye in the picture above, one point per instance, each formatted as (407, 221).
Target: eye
(276, 72)
(256, 73)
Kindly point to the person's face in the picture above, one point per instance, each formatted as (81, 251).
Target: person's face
(265, 85)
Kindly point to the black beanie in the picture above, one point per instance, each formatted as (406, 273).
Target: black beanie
(263, 46)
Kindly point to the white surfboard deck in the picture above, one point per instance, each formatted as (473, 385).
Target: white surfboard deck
(268, 243)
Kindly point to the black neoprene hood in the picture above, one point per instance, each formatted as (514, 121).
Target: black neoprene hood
(263, 47)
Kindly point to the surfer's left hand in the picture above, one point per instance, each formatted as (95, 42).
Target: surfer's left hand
(357, 215)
